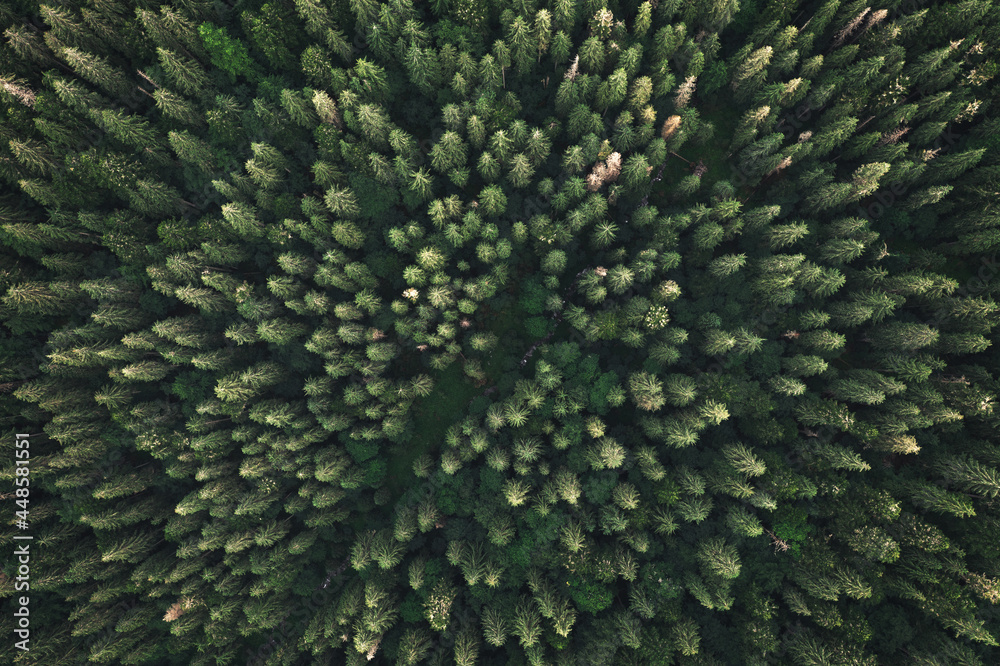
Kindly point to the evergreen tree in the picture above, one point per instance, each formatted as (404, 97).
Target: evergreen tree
(219, 288)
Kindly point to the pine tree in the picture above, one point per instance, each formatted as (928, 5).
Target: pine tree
(40, 297)
(903, 336)
(185, 73)
(495, 627)
(743, 523)
(686, 638)
(719, 558)
(192, 150)
(466, 649)
(613, 91)
(413, 647)
(970, 474)
(97, 71)
(127, 128)
(647, 391)
(526, 623)
(822, 340)
(934, 498)
(742, 459)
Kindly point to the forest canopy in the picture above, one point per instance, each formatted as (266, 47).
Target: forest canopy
(548, 332)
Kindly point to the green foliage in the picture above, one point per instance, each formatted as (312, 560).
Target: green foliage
(791, 526)
(597, 487)
(374, 199)
(518, 324)
(599, 392)
(193, 386)
(716, 76)
(361, 450)
(270, 29)
(449, 496)
(466, 38)
(411, 610)
(589, 596)
(667, 491)
(533, 297)
(227, 53)
(490, 481)
(537, 327)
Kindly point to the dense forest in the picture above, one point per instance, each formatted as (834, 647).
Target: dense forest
(548, 332)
